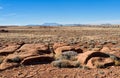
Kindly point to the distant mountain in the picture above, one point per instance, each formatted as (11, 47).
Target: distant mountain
(73, 24)
(57, 24)
(51, 24)
(33, 25)
(107, 24)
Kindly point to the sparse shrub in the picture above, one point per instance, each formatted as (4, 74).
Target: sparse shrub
(114, 42)
(85, 67)
(103, 42)
(100, 66)
(16, 60)
(113, 57)
(91, 42)
(68, 55)
(99, 46)
(80, 66)
(65, 64)
(117, 62)
(3, 30)
(75, 63)
(91, 46)
(71, 42)
(90, 49)
(61, 63)
(101, 72)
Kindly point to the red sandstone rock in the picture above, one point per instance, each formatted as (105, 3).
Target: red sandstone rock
(56, 45)
(105, 49)
(68, 48)
(96, 62)
(6, 65)
(37, 60)
(41, 48)
(9, 49)
(83, 58)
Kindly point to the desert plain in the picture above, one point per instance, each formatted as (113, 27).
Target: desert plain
(59, 52)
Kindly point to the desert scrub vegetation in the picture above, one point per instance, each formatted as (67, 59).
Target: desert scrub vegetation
(114, 42)
(66, 60)
(103, 42)
(67, 55)
(100, 66)
(65, 64)
(84, 67)
(91, 42)
(117, 62)
(61, 63)
(15, 60)
(115, 59)
(99, 46)
(3, 31)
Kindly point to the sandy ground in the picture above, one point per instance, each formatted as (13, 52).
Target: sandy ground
(59, 34)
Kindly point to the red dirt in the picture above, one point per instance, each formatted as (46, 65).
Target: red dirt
(67, 37)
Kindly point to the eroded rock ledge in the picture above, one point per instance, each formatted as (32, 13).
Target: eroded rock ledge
(59, 55)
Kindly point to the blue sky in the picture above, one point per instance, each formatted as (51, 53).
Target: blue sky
(23, 12)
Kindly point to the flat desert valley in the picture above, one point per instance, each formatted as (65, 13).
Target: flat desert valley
(59, 52)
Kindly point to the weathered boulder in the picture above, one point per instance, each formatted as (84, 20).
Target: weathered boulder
(56, 45)
(68, 48)
(99, 62)
(83, 58)
(40, 48)
(22, 55)
(105, 49)
(7, 65)
(28, 54)
(9, 49)
(42, 59)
